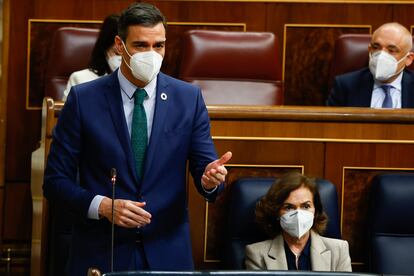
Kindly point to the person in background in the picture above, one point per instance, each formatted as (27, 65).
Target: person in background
(292, 214)
(386, 83)
(105, 57)
(141, 132)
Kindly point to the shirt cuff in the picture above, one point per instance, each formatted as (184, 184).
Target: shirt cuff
(93, 211)
(209, 191)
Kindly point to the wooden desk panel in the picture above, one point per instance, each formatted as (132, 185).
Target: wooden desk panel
(348, 146)
(352, 166)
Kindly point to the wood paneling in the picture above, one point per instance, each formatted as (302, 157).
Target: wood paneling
(305, 49)
(351, 167)
(328, 142)
(254, 14)
(3, 89)
(17, 223)
(21, 128)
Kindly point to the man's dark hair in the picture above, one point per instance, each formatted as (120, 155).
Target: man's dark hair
(268, 208)
(139, 14)
(105, 41)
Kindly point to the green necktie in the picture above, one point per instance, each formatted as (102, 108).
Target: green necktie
(139, 135)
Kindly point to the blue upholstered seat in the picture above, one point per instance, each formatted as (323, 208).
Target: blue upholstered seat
(391, 229)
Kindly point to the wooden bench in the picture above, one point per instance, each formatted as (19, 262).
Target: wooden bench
(50, 114)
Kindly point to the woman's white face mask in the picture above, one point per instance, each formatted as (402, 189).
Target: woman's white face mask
(383, 66)
(297, 222)
(144, 65)
(114, 62)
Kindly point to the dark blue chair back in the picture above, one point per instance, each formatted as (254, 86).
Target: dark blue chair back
(242, 229)
(392, 224)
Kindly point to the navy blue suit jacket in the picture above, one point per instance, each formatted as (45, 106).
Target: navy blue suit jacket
(91, 137)
(355, 89)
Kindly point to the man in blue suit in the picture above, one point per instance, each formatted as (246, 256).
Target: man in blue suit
(386, 83)
(98, 131)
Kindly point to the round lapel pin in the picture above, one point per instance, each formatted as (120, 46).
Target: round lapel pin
(164, 96)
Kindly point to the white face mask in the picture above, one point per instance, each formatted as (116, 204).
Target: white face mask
(114, 62)
(297, 222)
(144, 65)
(383, 66)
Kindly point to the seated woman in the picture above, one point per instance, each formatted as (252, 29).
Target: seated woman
(291, 212)
(105, 58)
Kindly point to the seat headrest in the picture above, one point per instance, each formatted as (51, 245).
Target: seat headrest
(246, 193)
(70, 51)
(240, 92)
(391, 205)
(230, 55)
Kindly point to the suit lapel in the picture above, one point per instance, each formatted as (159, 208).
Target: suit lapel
(161, 107)
(407, 98)
(320, 255)
(365, 92)
(277, 256)
(115, 105)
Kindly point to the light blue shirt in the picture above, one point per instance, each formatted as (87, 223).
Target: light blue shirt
(378, 94)
(127, 93)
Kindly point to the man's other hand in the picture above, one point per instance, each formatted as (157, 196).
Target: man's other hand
(215, 172)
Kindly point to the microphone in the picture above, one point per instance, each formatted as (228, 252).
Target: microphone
(113, 180)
